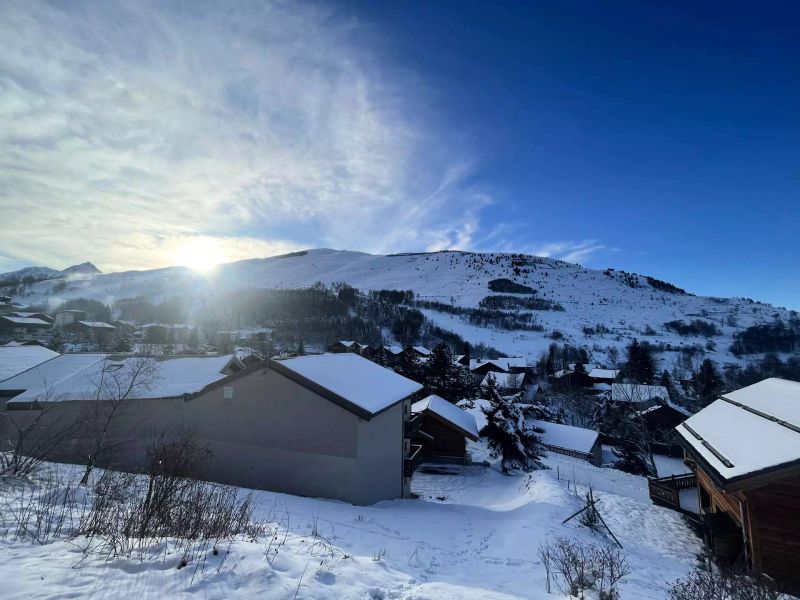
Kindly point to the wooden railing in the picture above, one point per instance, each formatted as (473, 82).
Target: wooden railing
(413, 460)
(666, 490)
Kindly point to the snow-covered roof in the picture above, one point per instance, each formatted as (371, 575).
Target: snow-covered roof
(603, 373)
(601, 387)
(346, 343)
(97, 324)
(748, 431)
(449, 412)
(501, 379)
(16, 359)
(361, 385)
(567, 436)
(77, 377)
(637, 393)
(51, 372)
(27, 321)
(499, 364)
(422, 350)
(393, 349)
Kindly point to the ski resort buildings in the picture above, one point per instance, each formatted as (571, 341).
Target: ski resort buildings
(331, 425)
(744, 449)
(442, 429)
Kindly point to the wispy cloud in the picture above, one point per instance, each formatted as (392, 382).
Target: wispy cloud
(129, 128)
(570, 251)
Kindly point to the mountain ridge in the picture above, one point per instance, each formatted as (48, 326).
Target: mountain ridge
(591, 308)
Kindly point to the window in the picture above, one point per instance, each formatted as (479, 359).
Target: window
(227, 392)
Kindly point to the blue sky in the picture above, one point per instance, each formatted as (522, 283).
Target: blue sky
(652, 138)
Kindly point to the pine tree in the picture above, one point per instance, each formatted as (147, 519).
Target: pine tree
(301, 348)
(641, 365)
(56, 341)
(510, 436)
(707, 383)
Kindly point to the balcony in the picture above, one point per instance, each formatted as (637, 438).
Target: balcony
(411, 462)
(665, 491)
(411, 424)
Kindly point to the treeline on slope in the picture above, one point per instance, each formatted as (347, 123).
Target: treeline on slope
(769, 337)
(322, 315)
(517, 303)
(484, 317)
(664, 286)
(694, 327)
(95, 310)
(506, 286)
(141, 310)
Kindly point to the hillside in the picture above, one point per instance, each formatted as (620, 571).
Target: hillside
(591, 308)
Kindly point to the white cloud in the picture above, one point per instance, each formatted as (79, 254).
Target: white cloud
(130, 127)
(570, 251)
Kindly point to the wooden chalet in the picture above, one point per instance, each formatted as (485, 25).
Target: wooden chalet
(442, 429)
(744, 450)
(344, 346)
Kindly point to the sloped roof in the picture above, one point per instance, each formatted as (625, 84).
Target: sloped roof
(16, 359)
(26, 321)
(501, 367)
(637, 393)
(567, 436)
(747, 432)
(78, 376)
(449, 412)
(97, 324)
(50, 373)
(422, 350)
(603, 373)
(357, 384)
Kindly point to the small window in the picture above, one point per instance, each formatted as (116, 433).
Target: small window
(227, 392)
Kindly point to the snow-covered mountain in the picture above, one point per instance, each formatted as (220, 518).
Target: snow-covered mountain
(600, 308)
(33, 274)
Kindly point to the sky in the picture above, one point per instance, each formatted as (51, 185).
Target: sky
(660, 138)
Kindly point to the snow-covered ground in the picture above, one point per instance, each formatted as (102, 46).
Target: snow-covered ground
(473, 533)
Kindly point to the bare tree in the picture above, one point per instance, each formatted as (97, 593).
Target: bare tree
(32, 441)
(631, 401)
(114, 384)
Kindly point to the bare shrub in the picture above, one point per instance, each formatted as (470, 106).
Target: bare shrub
(43, 511)
(576, 567)
(31, 442)
(708, 582)
(133, 514)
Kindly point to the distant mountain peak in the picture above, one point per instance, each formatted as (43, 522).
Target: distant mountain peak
(85, 268)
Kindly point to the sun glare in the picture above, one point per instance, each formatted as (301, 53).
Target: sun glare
(200, 255)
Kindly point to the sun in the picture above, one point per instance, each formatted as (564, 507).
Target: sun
(200, 255)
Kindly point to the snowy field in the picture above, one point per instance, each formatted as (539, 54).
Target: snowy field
(473, 533)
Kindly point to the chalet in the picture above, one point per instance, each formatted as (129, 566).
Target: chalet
(32, 315)
(597, 375)
(663, 417)
(330, 425)
(18, 358)
(22, 326)
(484, 367)
(462, 359)
(343, 346)
(744, 450)
(640, 395)
(418, 351)
(571, 441)
(442, 429)
(68, 317)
